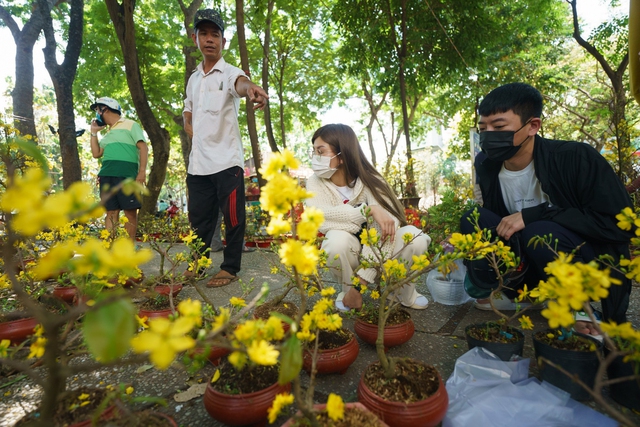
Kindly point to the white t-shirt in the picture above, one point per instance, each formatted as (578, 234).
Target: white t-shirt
(346, 192)
(214, 104)
(521, 189)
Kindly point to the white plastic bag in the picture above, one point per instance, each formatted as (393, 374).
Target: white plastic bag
(448, 290)
(485, 391)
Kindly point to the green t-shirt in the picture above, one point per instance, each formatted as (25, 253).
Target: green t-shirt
(121, 156)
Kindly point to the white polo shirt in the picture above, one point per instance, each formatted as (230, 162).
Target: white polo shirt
(214, 104)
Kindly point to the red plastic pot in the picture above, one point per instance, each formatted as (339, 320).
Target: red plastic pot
(166, 289)
(152, 314)
(425, 413)
(292, 421)
(65, 293)
(335, 360)
(241, 409)
(393, 334)
(17, 330)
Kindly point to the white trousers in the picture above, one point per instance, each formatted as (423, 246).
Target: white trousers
(348, 247)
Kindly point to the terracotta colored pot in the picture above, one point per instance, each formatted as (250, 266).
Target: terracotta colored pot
(215, 354)
(335, 360)
(152, 314)
(106, 415)
(17, 330)
(425, 413)
(250, 244)
(241, 409)
(264, 244)
(291, 421)
(166, 289)
(65, 293)
(503, 350)
(393, 334)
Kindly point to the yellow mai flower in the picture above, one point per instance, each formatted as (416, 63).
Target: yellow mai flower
(626, 219)
(375, 294)
(263, 353)
(301, 256)
(281, 400)
(369, 237)
(420, 262)
(394, 268)
(278, 163)
(191, 309)
(335, 407)
(221, 319)
(189, 237)
(129, 390)
(37, 348)
(525, 323)
(278, 226)
(311, 220)
(558, 315)
(4, 346)
(238, 359)
(164, 339)
(273, 329)
(407, 238)
(327, 292)
(142, 322)
(237, 302)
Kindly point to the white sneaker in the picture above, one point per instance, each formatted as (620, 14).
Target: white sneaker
(420, 303)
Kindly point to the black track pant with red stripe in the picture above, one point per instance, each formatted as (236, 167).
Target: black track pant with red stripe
(221, 191)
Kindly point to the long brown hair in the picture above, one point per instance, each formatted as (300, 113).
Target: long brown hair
(343, 140)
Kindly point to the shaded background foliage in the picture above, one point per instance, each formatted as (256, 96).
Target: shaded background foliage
(414, 65)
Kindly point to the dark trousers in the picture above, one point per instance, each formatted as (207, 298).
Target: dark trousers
(563, 241)
(208, 194)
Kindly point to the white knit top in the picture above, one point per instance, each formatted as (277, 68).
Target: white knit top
(346, 216)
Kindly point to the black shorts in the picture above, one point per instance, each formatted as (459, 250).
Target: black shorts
(118, 201)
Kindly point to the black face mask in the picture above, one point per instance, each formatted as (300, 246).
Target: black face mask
(498, 145)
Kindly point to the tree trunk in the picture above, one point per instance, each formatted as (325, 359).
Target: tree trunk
(251, 116)
(619, 97)
(22, 94)
(62, 77)
(373, 111)
(265, 76)
(122, 18)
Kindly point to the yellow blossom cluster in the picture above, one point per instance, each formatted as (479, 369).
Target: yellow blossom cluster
(256, 335)
(627, 338)
(165, 338)
(369, 237)
(395, 268)
(320, 318)
(92, 257)
(474, 242)
(281, 401)
(278, 197)
(38, 345)
(33, 210)
(569, 286)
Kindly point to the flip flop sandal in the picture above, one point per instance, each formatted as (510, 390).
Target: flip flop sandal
(219, 280)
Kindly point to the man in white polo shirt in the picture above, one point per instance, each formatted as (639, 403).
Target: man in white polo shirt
(215, 179)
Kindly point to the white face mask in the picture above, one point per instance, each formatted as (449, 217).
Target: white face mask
(320, 166)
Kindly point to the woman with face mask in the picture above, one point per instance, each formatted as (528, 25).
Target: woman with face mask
(344, 184)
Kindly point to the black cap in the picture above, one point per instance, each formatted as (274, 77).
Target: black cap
(211, 15)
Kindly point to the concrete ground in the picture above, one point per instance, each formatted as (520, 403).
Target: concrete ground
(438, 340)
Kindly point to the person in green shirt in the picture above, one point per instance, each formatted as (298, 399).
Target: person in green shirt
(124, 154)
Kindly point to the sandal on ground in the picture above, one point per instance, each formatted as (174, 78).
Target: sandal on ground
(222, 278)
(248, 249)
(502, 302)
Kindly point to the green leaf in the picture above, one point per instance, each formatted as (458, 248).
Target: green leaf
(108, 330)
(32, 150)
(290, 360)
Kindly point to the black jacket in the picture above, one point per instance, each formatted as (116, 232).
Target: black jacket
(586, 195)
